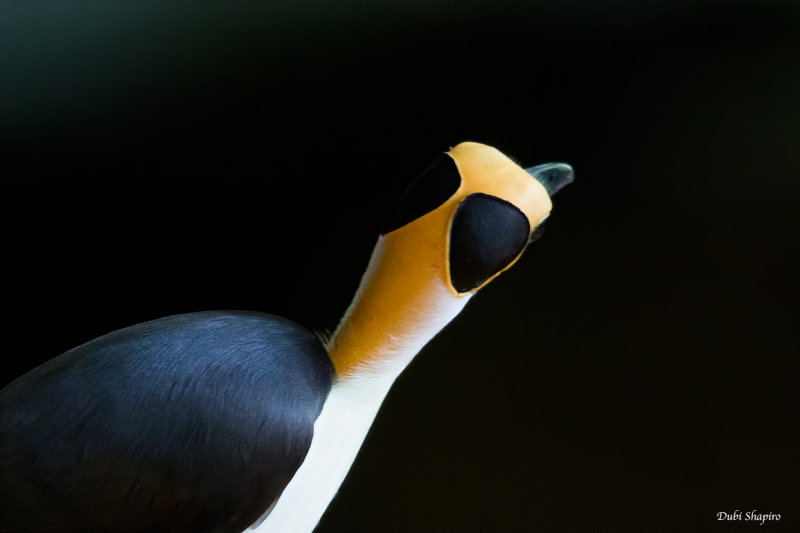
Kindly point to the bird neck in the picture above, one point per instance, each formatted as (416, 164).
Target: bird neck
(400, 305)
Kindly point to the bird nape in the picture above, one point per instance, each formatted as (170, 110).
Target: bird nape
(224, 420)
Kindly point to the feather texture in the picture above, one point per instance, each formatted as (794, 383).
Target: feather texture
(191, 422)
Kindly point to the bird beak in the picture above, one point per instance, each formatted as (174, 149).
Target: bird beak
(553, 176)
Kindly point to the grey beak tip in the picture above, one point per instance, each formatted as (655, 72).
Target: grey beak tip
(553, 176)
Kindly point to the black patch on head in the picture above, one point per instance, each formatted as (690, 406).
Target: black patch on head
(487, 234)
(430, 190)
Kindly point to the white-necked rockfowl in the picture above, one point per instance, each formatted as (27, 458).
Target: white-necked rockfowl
(220, 421)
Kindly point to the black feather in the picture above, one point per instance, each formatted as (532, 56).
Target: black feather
(191, 422)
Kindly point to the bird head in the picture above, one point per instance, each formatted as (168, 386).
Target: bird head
(469, 216)
(466, 219)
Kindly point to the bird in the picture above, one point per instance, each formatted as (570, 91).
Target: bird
(241, 420)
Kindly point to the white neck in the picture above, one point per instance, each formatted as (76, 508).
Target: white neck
(370, 348)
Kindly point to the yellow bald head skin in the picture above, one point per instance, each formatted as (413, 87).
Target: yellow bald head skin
(406, 295)
(486, 170)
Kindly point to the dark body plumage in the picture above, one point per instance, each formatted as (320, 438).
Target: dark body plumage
(192, 422)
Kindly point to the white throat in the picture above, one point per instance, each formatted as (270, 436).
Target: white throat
(354, 400)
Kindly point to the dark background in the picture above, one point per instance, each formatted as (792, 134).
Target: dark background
(637, 369)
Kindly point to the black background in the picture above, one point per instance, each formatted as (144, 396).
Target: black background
(638, 368)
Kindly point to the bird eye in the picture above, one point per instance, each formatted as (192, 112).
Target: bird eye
(430, 190)
(487, 234)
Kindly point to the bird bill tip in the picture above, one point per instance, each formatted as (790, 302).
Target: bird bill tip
(553, 176)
